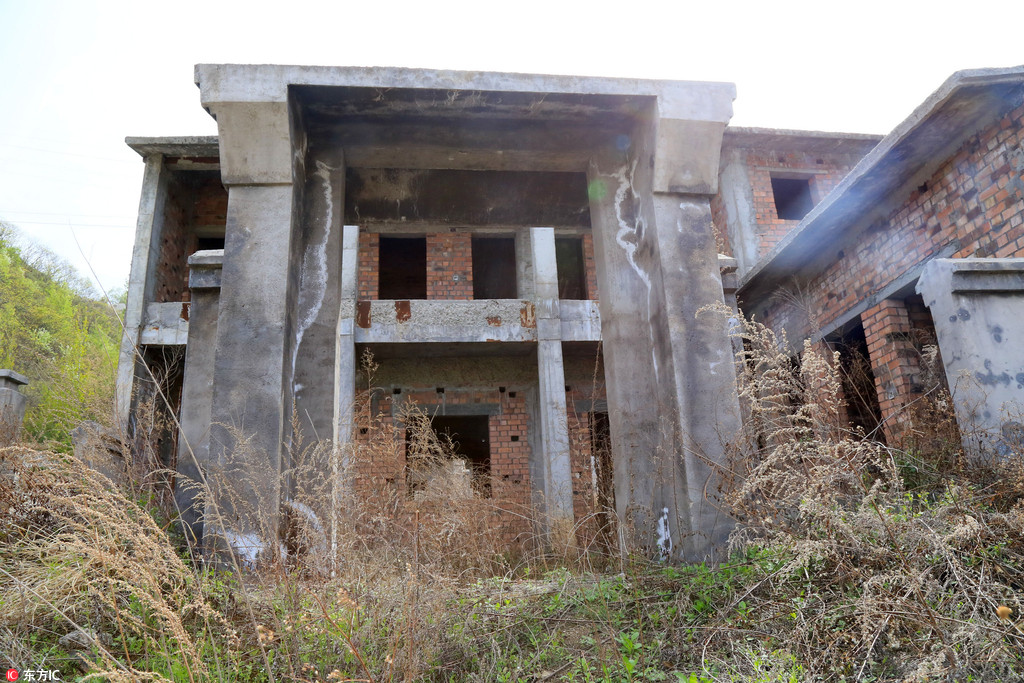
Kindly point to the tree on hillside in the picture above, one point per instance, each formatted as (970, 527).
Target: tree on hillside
(54, 331)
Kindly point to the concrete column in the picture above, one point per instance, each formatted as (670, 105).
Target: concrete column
(318, 307)
(193, 462)
(702, 362)
(12, 406)
(144, 257)
(258, 318)
(978, 309)
(553, 471)
(346, 363)
(671, 388)
(894, 363)
(524, 265)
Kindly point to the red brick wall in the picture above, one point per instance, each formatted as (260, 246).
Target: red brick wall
(824, 171)
(369, 265)
(448, 255)
(588, 262)
(976, 197)
(381, 466)
(449, 265)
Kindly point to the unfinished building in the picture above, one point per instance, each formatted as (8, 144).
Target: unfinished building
(523, 258)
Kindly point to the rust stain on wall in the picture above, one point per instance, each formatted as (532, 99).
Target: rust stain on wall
(527, 315)
(402, 311)
(363, 314)
(494, 321)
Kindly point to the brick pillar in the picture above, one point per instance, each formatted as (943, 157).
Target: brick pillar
(369, 265)
(894, 363)
(449, 265)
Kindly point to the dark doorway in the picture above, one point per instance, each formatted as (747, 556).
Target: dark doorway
(572, 271)
(858, 381)
(494, 268)
(403, 268)
(469, 436)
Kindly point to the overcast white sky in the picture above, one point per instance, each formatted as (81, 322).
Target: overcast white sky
(77, 77)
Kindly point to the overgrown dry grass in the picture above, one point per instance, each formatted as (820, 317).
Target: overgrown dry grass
(844, 568)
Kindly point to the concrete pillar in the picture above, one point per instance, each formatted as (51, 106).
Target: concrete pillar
(12, 406)
(318, 307)
(140, 283)
(894, 363)
(193, 462)
(553, 471)
(671, 388)
(702, 362)
(524, 265)
(978, 309)
(258, 318)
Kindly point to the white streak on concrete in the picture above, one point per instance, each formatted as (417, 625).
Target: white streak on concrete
(664, 536)
(313, 282)
(628, 237)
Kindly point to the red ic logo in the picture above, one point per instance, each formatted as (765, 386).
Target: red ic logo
(12, 675)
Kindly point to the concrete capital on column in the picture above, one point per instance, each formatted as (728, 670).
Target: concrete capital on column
(686, 156)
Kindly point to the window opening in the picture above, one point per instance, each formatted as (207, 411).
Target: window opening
(792, 197)
(403, 268)
(494, 268)
(572, 272)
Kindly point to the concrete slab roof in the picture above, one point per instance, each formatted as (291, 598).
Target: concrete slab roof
(799, 140)
(269, 83)
(967, 102)
(195, 146)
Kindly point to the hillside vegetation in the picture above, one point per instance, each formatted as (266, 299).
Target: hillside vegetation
(55, 330)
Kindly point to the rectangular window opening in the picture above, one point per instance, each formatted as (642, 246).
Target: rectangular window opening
(403, 268)
(792, 197)
(464, 458)
(572, 271)
(494, 268)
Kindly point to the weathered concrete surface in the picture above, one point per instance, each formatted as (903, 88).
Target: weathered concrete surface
(549, 465)
(250, 414)
(164, 324)
(671, 392)
(489, 320)
(140, 282)
(978, 309)
(12, 406)
(193, 462)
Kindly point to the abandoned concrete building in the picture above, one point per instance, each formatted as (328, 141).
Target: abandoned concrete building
(523, 258)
